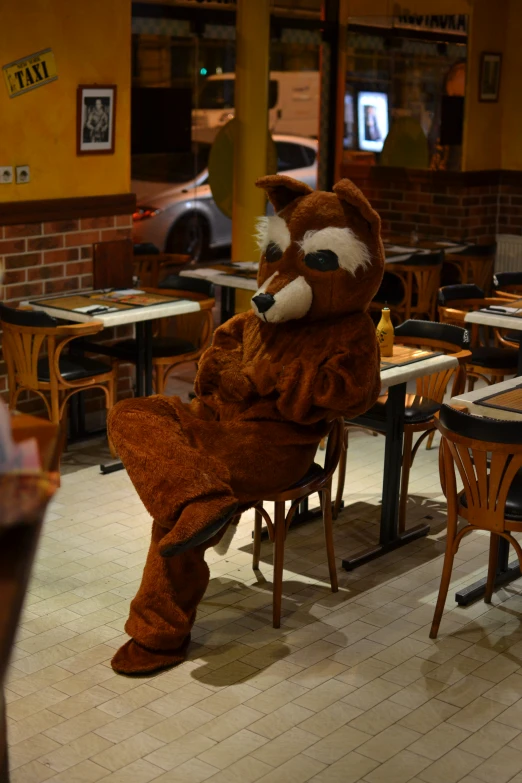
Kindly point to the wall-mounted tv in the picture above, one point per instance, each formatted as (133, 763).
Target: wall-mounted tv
(372, 120)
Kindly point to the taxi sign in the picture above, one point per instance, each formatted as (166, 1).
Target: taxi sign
(30, 72)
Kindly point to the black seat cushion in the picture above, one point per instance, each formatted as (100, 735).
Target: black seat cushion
(513, 508)
(73, 368)
(420, 410)
(314, 473)
(494, 357)
(161, 346)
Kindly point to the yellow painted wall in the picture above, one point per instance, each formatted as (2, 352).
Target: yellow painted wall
(510, 90)
(92, 44)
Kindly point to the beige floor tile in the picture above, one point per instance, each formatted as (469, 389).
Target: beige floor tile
(399, 769)
(401, 651)
(364, 672)
(284, 747)
(389, 742)
(74, 752)
(410, 671)
(76, 727)
(128, 702)
(319, 673)
(123, 728)
(180, 750)
(172, 728)
(286, 717)
(34, 724)
(297, 770)
(229, 723)
(507, 692)
(371, 694)
(140, 771)
(31, 749)
(115, 757)
(246, 770)
(454, 670)
(464, 691)
(232, 749)
(74, 705)
(418, 693)
(270, 700)
(313, 653)
(357, 653)
(429, 715)
(501, 766)
(451, 767)
(336, 745)
(32, 772)
(349, 769)
(439, 741)
(497, 669)
(323, 695)
(84, 772)
(192, 771)
(282, 670)
(171, 703)
(477, 714)
(380, 717)
(228, 698)
(328, 720)
(29, 705)
(489, 739)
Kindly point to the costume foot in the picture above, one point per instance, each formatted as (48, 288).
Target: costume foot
(133, 659)
(199, 521)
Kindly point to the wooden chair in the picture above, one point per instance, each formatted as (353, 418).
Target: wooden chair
(421, 407)
(489, 362)
(475, 264)
(179, 339)
(112, 264)
(150, 270)
(33, 348)
(419, 279)
(18, 542)
(318, 480)
(507, 285)
(488, 456)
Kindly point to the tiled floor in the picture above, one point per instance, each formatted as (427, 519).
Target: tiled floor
(349, 689)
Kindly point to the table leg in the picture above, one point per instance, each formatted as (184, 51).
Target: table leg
(147, 356)
(390, 538)
(140, 357)
(519, 370)
(228, 303)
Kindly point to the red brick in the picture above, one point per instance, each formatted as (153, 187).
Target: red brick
(86, 252)
(45, 243)
(78, 268)
(26, 259)
(109, 234)
(14, 293)
(12, 246)
(63, 284)
(61, 226)
(23, 230)
(97, 222)
(124, 220)
(86, 282)
(82, 238)
(46, 272)
(59, 256)
(15, 276)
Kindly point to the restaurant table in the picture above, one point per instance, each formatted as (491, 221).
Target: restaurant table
(506, 572)
(499, 320)
(395, 379)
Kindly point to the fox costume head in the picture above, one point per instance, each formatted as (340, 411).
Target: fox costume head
(321, 253)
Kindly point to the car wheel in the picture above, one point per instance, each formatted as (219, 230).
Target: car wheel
(190, 236)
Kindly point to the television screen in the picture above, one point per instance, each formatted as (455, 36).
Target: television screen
(372, 117)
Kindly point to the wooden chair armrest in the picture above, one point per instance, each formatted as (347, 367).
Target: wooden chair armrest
(462, 356)
(80, 330)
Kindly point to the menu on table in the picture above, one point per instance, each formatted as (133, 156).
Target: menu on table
(405, 354)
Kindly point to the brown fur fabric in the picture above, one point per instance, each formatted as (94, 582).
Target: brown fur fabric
(266, 391)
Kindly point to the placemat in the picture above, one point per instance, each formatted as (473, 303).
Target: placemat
(404, 354)
(76, 301)
(505, 401)
(510, 309)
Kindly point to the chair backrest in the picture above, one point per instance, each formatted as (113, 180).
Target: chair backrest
(462, 291)
(509, 282)
(487, 454)
(25, 332)
(196, 328)
(443, 337)
(145, 249)
(425, 268)
(113, 264)
(192, 284)
(334, 447)
(478, 251)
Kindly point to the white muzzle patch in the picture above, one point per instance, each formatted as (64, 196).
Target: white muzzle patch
(290, 303)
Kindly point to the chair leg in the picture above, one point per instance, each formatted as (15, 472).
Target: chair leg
(471, 383)
(492, 567)
(405, 476)
(279, 557)
(429, 442)
(258, 521)
(341, 474)
(159, 380)
(447, 568)
(328, 537)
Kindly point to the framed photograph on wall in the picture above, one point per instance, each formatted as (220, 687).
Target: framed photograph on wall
(489, 84)
(95, 119)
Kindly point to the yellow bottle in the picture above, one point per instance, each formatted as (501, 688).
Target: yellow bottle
(385, 333)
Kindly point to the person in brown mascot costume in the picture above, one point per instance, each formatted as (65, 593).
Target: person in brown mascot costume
(267, 390)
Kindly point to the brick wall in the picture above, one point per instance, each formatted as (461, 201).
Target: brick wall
(473, 206)
(51, 257)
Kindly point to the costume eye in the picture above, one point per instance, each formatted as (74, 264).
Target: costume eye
(273, 252)
(322, 260)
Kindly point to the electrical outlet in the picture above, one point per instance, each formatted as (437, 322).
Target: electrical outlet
(23, 175)
(6, 175)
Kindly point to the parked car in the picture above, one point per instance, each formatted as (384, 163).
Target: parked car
(176, 211)
(293, 104)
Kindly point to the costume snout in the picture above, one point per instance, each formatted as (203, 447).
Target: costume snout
(282, 298)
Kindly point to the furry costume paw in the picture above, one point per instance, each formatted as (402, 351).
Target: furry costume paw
(133, 659)
(198, 522)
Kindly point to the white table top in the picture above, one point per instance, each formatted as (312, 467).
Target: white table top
(494, 319)
(472, 400)
(131, 316)
(222, 279)
(395, 375)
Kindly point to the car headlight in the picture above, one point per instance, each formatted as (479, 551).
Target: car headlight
(145, 212)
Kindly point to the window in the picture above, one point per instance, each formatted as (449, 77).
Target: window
(290, 156)
(309, 155)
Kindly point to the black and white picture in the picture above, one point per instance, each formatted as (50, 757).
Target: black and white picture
(96, 119)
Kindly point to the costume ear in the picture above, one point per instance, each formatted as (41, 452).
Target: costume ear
(282, 190)
(346, 191)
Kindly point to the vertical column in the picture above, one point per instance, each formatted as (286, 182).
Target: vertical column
(251, 112)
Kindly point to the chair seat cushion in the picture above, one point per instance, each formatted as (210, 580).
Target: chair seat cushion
(73, 368)
(161, 346)
(313, 473)
(513, 508)
(419, 410)
(494, 357)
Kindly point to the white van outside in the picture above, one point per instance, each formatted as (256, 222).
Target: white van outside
(293, 102)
